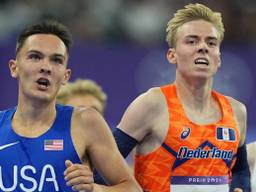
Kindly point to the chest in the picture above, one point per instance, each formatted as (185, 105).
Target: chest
(36, 164)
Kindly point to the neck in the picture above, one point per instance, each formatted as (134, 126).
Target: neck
(34, 114)
(195, 94)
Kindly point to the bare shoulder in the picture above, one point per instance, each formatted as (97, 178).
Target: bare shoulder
(87, 123)
(143, 113)
(87, 120)
(240, 113)
(151, 100)
(86, 115)
(238, 107)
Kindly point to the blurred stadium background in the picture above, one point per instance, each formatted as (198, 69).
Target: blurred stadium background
(121, 45)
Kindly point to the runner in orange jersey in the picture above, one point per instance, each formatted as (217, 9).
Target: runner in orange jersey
(188, 136)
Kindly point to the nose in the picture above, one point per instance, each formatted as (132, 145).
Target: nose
(203, 48)
(46, 67)
(47, 71)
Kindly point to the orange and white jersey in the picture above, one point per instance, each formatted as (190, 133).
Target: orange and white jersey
(192, 157)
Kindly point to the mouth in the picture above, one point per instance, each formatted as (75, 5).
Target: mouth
(43, 82)
(202, 61)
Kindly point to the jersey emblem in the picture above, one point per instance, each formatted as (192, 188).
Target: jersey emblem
(53, 145)
(185, 132)
(8, 145)
(225, 134)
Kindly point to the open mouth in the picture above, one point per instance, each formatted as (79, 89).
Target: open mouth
(201, 61)
(43, 82)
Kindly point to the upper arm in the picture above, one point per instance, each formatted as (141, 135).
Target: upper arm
(101, 148)
(138, 120)
(241, 118)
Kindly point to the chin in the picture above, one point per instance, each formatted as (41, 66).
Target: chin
(200, 78)
(42, 97)
(202, 75)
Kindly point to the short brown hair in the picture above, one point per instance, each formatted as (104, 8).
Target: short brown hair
(45, 27)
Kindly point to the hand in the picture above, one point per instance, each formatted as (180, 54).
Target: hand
(238, 190)
(79, 176)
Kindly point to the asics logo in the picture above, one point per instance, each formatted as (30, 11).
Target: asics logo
(185, 132)
(2, 147)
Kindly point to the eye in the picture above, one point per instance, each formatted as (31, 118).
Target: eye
(34, 56)
(191, 41)
(212, 43)
(58, 60)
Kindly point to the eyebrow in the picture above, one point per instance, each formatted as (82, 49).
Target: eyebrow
(35, 51)
(212, 38)
(191, 36)
(196, 36)
(40, 53)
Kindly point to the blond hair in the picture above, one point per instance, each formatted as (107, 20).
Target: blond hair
(81, 87)
(193, 12)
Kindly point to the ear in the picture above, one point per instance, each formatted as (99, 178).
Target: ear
(13, 68)
(171, 56)
(67, 76)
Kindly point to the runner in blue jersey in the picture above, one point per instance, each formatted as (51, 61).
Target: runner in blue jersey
(48, 147)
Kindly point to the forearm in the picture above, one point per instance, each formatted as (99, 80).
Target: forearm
(240, 172)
